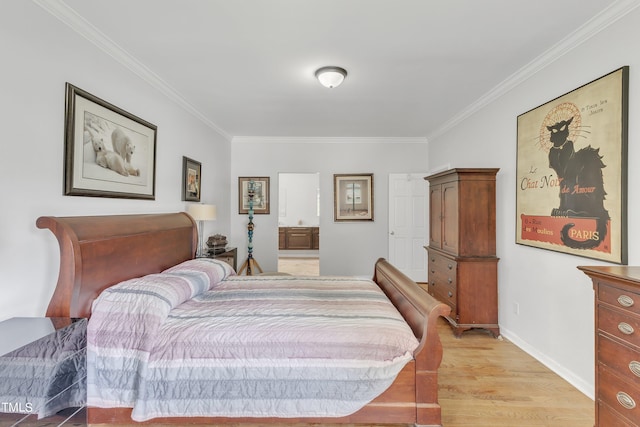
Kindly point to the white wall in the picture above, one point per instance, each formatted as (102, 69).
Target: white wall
(297, 200)
(39, 54)
(555, 323)
(346, 248)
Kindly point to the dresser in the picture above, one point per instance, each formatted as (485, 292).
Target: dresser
(462, 266)
(617, 344)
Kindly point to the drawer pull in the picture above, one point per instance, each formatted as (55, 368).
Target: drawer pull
(450, 294)
(433, 272)
(625, 301)
(450, 280)
(625, 400)
(634, 367)
(433, 260)
(450, 266)
(625, 328)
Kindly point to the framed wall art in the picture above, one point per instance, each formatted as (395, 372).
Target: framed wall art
(353, 197)
(571, 189)
(108, 151)
(191, 179)
(260, 198)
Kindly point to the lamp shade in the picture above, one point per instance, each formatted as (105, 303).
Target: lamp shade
(201, 212)
(331, 76)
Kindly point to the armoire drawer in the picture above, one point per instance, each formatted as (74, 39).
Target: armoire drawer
(443, 292)
(449, 299)
(441, 263)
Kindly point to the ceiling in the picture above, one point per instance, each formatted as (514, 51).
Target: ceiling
(246, 67)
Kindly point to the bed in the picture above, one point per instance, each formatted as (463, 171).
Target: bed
(99, 253)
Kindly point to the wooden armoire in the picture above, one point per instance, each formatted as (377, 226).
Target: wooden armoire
(462, 265)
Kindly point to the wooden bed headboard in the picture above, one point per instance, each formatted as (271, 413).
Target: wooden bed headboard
(99, 251)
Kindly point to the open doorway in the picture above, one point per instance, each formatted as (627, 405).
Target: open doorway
(299, 223)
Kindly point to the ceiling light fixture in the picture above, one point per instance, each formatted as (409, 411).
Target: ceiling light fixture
(331, 76)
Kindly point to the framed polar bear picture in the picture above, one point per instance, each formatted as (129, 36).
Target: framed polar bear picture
(108, 151)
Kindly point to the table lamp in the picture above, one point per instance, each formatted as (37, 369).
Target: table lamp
(201, 213)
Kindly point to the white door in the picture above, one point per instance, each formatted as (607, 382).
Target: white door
(408, 224)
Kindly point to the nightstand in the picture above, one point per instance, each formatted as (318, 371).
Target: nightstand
(43, 370)
(230, 256)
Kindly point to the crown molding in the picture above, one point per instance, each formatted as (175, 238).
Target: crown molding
(326, 140)
(617, 10)
(68, 16)
(599, 22)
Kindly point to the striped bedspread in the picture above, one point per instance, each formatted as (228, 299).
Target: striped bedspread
(177, 344)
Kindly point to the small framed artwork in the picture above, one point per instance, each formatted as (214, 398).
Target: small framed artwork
(571, 188)
(108, 151)
(353, 197)
(260, 194)
(191, 179)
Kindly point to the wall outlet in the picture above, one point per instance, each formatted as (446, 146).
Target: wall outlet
(516, 308)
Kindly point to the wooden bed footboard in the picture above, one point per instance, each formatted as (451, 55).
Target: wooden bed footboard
(99, 251)
(421, 311)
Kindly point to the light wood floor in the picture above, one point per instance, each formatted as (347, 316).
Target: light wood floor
(299, 265)
(485, 382)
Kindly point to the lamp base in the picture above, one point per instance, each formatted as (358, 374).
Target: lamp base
(200, 250)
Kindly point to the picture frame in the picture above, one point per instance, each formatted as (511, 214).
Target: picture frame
(109, 152)
(261, 203)
(353, 197)
(571, 189)
(191, 179)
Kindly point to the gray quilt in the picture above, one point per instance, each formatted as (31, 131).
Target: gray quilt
(47, 375)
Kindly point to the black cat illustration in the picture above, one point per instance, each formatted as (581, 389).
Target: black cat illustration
(582, 191)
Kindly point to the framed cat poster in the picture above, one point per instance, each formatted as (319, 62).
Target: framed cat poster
(571, 188)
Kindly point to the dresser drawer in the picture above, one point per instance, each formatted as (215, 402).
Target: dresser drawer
(623, 299)
(607, 417)
(623, 397)
(619, 324)
(620, 358)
